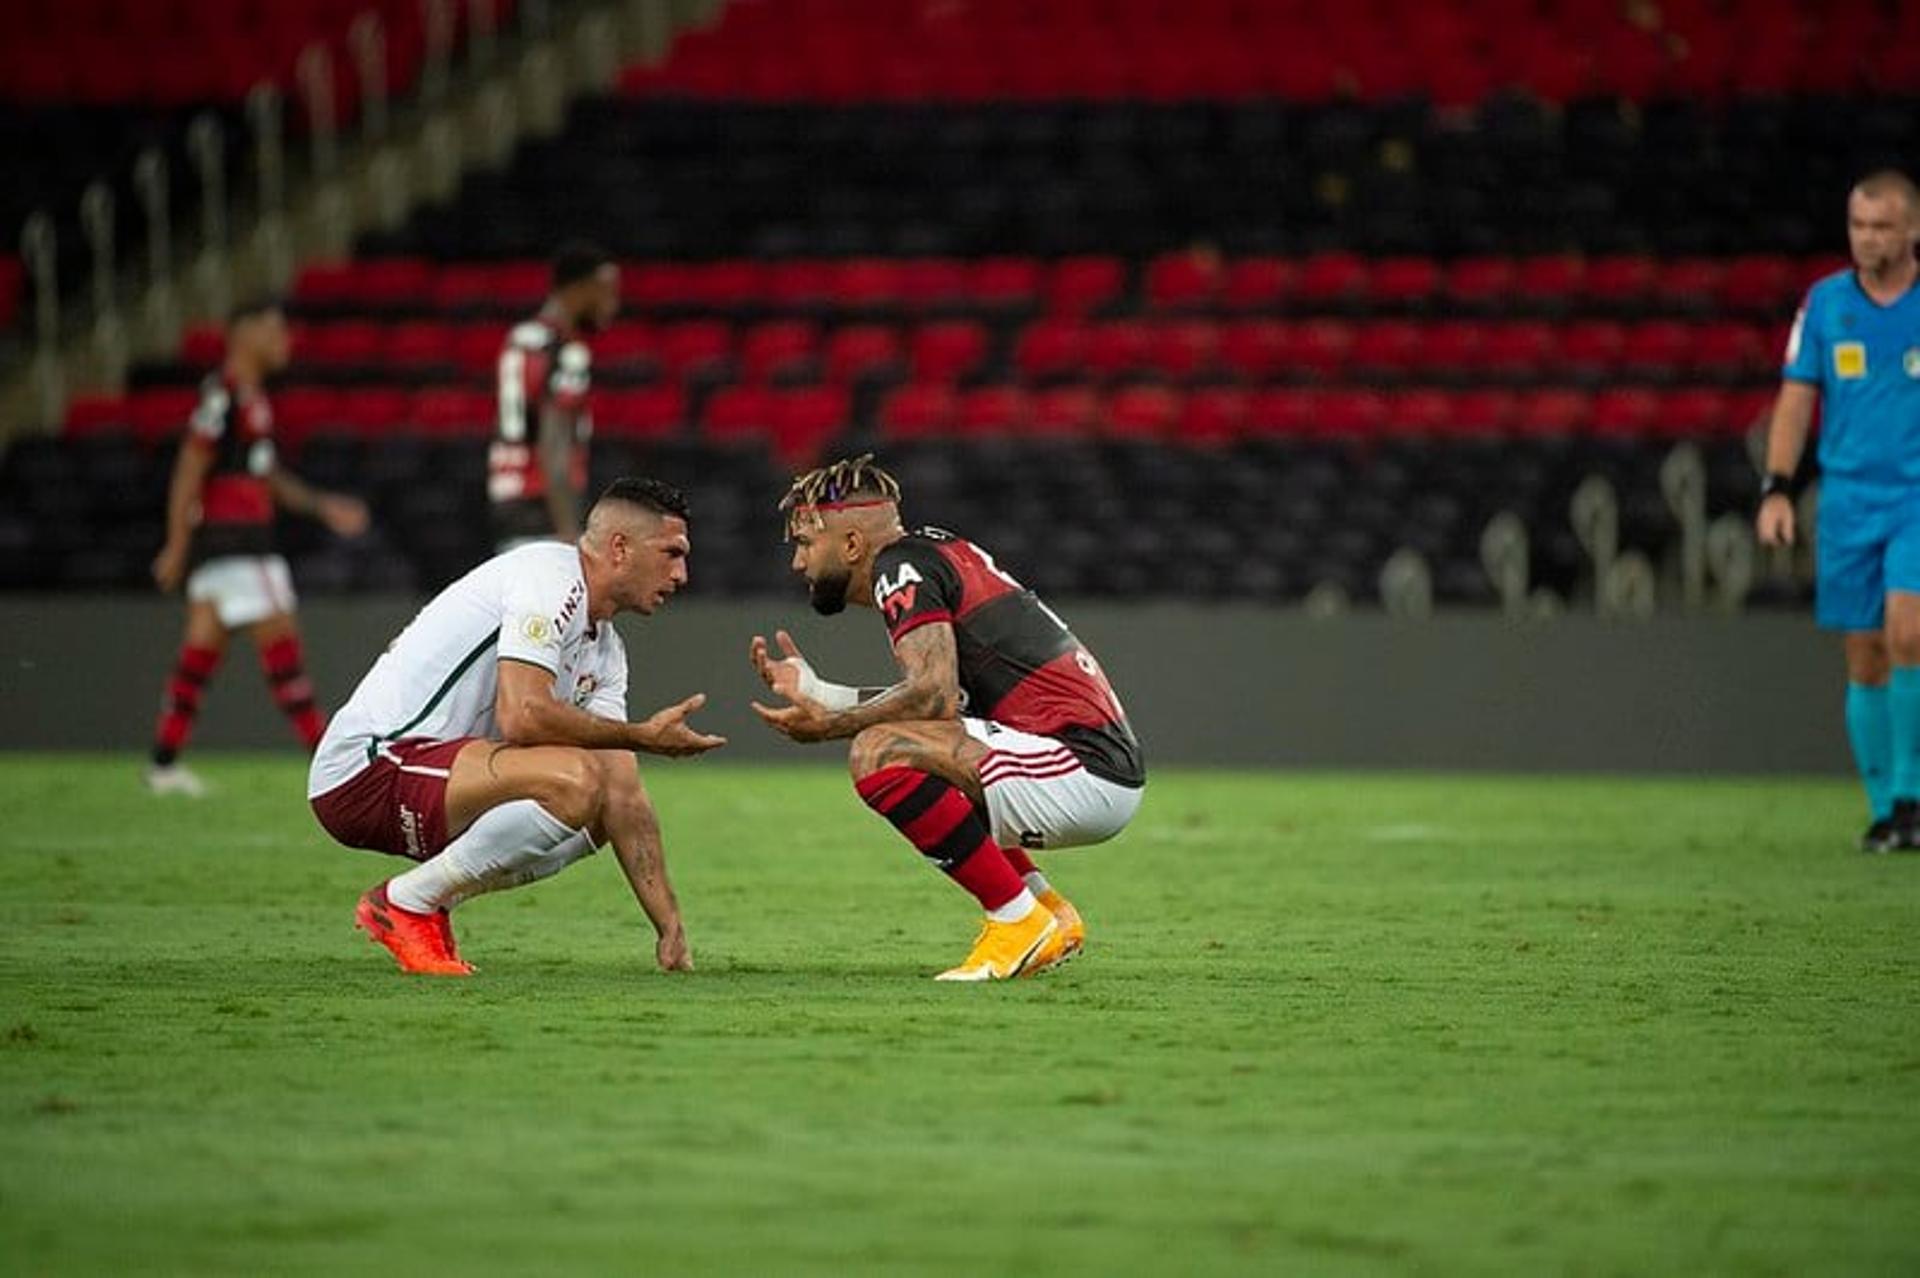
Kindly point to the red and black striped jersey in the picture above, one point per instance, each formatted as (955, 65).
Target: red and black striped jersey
(235, 426)
(1019, 663)
(539, 370)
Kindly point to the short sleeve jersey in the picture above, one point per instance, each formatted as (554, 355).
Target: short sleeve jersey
(439, 678)
(234, 427)
(1019, 663)
(538, 370)
(1865, 358)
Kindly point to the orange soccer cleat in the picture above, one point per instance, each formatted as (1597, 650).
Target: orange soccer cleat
(418, 942)
(1006, 950)
(1073, 929)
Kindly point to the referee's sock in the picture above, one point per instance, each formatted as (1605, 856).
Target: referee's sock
(1870, 728)
(1903, 713)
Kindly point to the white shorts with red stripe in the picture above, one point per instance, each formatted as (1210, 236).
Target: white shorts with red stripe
(243, 589)
(1040, 796)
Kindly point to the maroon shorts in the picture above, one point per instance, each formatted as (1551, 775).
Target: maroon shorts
(398, 803)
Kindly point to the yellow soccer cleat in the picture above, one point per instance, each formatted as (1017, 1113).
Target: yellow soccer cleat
(1006, 950)
(1073, 929)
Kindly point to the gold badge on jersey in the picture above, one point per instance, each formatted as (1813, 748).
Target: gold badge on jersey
(536, 629)
(1911, 362)
(1850, 360)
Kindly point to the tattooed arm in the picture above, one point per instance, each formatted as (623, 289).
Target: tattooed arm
(930, 689)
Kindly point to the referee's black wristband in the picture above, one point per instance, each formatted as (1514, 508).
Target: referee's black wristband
(1775, 482)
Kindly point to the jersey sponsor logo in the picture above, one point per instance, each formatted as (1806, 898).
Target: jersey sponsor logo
(410, 831)
(1911, 362)
(1033, 840)
(894, 595)
(567, 609)
(1849, 361)
(584, 686)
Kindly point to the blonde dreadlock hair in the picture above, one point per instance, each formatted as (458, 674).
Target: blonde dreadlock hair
(851, 480)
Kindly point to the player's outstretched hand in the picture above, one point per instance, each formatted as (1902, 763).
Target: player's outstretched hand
(783, 674)
(669, 733)
(343, 516)
(1774, 525)
(801, 720)
(671, 951)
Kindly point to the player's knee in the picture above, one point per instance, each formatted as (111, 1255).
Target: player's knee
(1903, 640)
(573, 788)
(871, 750)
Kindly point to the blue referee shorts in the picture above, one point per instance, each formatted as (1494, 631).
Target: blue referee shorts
(1868, 543)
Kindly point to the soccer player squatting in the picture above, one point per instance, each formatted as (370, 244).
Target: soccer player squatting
(1855, 348)
(490, 742)
(1003, 735)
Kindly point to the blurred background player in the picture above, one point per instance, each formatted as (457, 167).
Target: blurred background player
(1043, 755)
(1855, 349)
(490, 741)
(537, 467)
(220, 507)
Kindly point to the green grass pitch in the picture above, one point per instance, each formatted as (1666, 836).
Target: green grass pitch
(1326, 1025)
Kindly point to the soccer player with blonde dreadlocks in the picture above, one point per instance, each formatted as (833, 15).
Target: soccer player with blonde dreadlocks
(1003, 736)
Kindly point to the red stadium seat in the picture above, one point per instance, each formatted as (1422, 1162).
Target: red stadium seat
(1288, 413)
(1182, 281)
(453, 411)
(1481, 283)
(1118, 348)
(1590, 349)
(377, 411)
(1319, 347)
(932, 284)
(1450, 350)
(161, 412)
(863, 284)
(1213, 417)
(1521, 351)
(1386, 349)
(1421, 411)
(1484, 413)
(1141, 412)
(862, 352)
(419, 345)
(949, 350)
(1625, 412)
(202, 346)
(1084, 285)
(1403, 283)
(300, 412)
(806, 418)
(1730, 350)
(628, 349)
(1331, 280)
(344, 343)
(1064, 410)
(694, 348)
(1350, 414)
(1689, 284)
(97, 415)
(1697, 412)
(1051, 350)
(1658, 349)
(779, 350)
(1253, 350)
(642, 412)
(1255, 283)
(1760, 284)
(1554, 413)
(918, 410)
(1183, 350)
(1006, 283)
(1550, 283)
(1621, 282)
(994, 410)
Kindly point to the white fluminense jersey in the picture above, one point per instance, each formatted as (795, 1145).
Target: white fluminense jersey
(439, 677)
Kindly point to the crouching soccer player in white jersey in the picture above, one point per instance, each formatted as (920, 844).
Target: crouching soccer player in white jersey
(490, 742)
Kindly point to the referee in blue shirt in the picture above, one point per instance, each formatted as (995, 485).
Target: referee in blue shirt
(1855, 348)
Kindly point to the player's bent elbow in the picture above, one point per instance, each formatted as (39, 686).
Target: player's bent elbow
(520, 722)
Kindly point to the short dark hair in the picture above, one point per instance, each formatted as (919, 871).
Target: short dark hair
(253, 307)
(577, 260)
(656, 495)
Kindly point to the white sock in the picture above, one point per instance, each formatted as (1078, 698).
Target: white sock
(1036, 882)
(570, 849)
(486, 856)
(1016, 909)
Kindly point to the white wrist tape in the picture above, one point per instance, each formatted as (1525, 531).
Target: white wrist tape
(834, 696)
